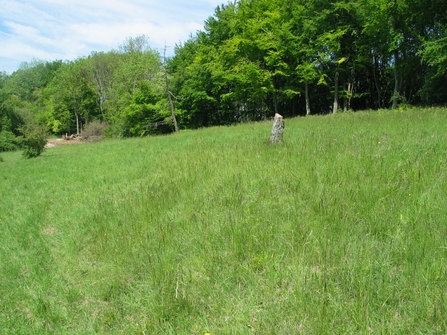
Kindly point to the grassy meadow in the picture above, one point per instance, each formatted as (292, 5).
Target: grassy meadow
(340, 230)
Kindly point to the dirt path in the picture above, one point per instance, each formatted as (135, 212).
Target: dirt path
(54, 142)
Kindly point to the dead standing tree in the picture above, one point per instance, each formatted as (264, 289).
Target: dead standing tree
(168, 92)
(277, 129)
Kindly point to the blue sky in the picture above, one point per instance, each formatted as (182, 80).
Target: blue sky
(67, 29)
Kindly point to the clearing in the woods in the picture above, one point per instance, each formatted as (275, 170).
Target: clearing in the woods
(341, 229)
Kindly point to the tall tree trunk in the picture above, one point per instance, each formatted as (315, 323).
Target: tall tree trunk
(275, 102)
(376, 82)
(295, 106)
(396, 79)
(349, 91)
(77, 122)
(306, 88)
(75, 107)
(171, 104)
(335, 108)
(168, 92)
(99, 88)
(396, 58)
(101, 109)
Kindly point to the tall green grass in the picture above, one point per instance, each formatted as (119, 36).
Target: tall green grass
(340, 230)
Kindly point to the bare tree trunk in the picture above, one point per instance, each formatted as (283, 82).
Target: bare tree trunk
(335, 108)
(99, 89)
(171, 104)
(168, 92)
(396, 59)
(349, 91)
(77, 123)
(275, 102)
(75, 108)
(101, 109)
(277, 129)
(376, 82)
(396, 79)
(306, 89)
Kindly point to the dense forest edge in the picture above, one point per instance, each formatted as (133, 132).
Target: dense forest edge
(251, 60)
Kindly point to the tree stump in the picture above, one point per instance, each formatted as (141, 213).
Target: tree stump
(277, 129)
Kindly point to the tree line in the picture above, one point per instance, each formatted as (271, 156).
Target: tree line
(253, 58)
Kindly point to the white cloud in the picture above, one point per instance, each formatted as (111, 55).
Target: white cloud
(57, 29)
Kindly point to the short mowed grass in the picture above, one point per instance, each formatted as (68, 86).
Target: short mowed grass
(342, 229)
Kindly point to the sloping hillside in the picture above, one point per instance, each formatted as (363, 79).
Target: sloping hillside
(341, 229)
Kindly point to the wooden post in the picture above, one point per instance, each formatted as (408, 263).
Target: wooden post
(277, 129)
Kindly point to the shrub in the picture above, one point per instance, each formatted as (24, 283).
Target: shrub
(94, 130)
(117, 129)
(8, 141)
(34, 140)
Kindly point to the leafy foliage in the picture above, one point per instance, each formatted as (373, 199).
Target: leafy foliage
(8, 141)
(251, 60)
(34, 140)
(259, 57)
